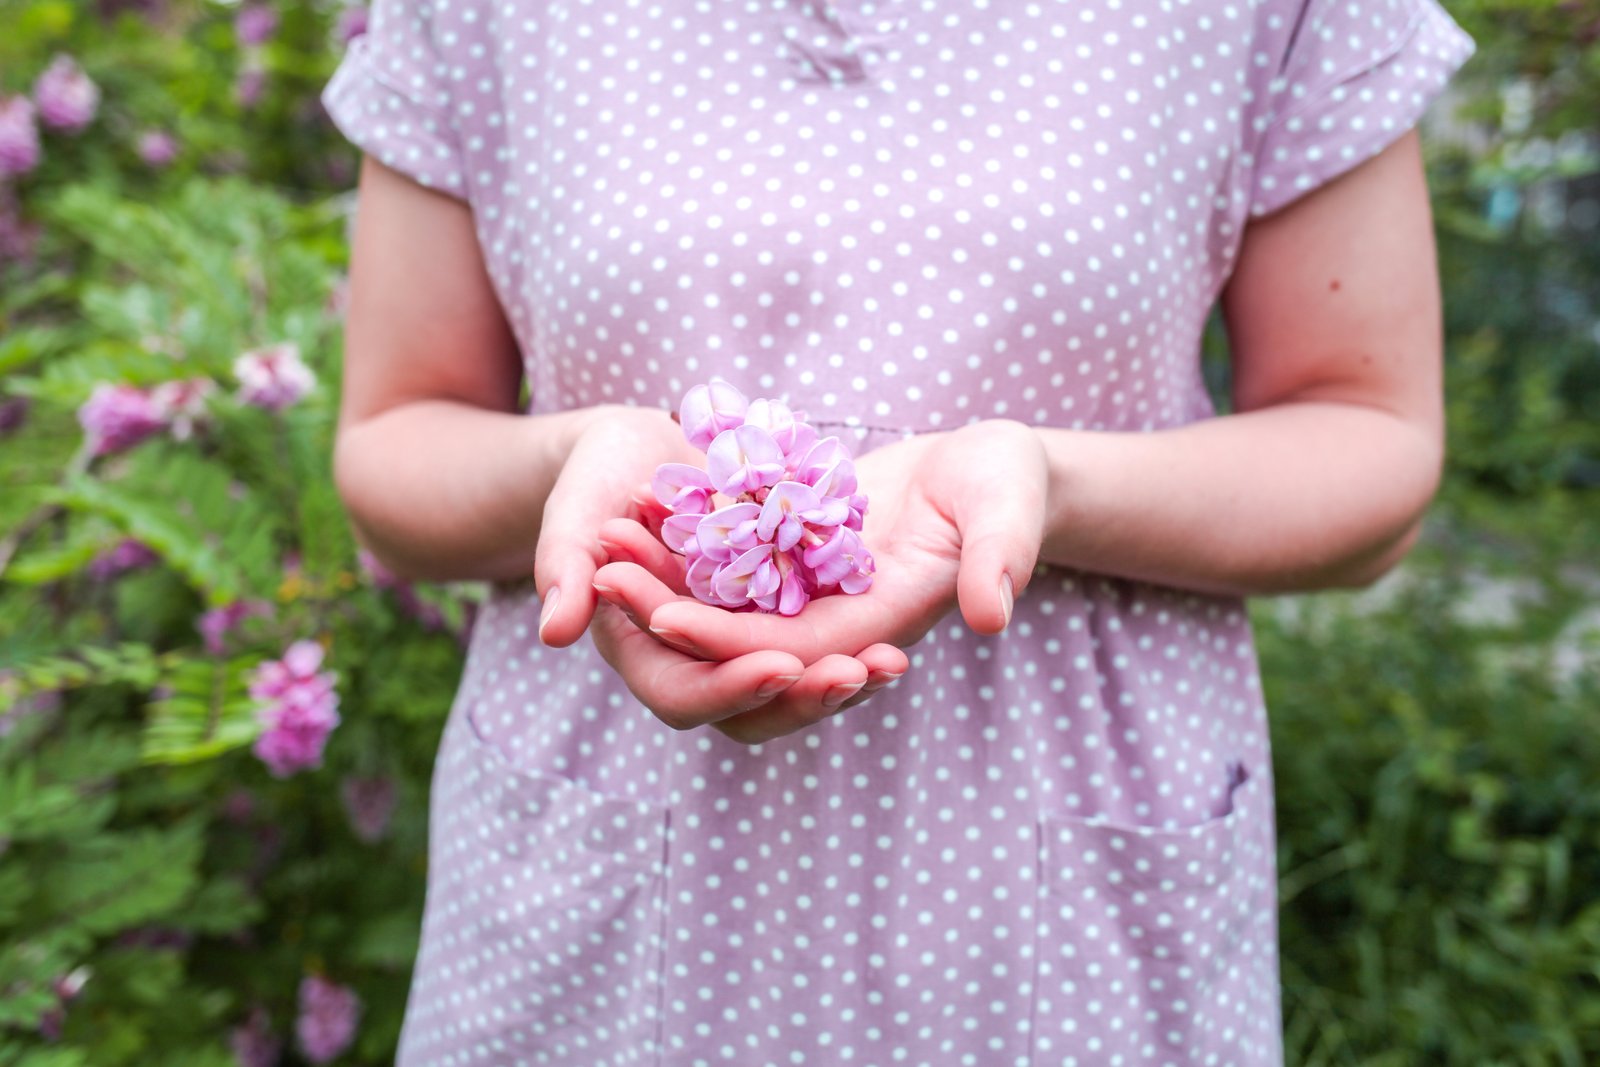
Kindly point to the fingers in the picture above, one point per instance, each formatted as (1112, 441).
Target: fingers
(820, 693)
(648, 511)
(567, 555)
(736, 697)
(684, 692)
(831, 685)
(826, 625)
(884, 663)
(885, 666)
(627, 541)
(635, 590)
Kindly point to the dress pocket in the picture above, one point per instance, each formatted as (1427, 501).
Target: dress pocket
(568, 920)
(1157, 939)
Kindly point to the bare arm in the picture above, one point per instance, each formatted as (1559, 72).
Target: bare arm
(1322, 476)
(442, 477)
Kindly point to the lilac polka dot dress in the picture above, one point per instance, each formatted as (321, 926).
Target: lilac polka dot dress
(1050, 847)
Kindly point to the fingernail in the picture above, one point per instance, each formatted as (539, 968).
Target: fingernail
(613, 550)
(605, 591)
(879, 679)
(549, 608)
(840, 693)
(775, 685)
(675, 639)
(1006, 596)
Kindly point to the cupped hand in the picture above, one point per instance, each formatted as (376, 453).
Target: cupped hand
(606, 478)
(954, 519)
(614, 453)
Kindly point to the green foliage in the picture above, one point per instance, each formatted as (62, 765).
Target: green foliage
(143, 846)
(1439, 807)
(1442, 835)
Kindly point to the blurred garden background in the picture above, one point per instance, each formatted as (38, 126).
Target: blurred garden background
(218, 717)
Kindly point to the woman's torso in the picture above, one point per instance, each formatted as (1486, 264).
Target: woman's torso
(1050, 846)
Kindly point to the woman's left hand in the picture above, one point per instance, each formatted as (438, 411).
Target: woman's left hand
(954, 519)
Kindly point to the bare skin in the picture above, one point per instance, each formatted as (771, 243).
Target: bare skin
(443, 478)
(1319, 479)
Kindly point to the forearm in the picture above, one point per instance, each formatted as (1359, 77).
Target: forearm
(1291, 497)
(441, 490)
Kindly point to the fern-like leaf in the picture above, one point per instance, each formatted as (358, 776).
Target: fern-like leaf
(207, 711)
(207, 527)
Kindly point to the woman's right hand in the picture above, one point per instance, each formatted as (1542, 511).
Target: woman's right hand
(614, 453)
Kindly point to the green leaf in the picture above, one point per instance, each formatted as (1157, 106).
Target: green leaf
(127, 663)
(208, 527)
(31, 809)
(113, 881)
(208, 712)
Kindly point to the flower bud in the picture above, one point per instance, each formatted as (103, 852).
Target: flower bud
(708, 410)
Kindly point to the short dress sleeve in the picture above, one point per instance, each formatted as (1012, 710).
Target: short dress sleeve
(1355, 76)
(390, 97)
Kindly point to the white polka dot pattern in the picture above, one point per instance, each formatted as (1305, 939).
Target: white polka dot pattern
(1051, 847)
(1360, 74)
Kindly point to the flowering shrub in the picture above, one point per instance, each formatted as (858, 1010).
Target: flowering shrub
(217, 715)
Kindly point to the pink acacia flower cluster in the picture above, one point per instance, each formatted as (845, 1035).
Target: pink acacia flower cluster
(66, 988)
(157, 148)
(67, 98)
(216, 623)
(351, 23)
(274, 377)
(126, 555)
(118, 416)
(329, 1015)
(253, 1043)
(19, 136)
(775, 519)
(64, 99)
(300, 709)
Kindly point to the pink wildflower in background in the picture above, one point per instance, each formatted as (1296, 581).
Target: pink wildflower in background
(255, 24)
(300, 709)
(274, 377)
(253, 1043)
(19, 137)
(13, 412)
(352, 23)
(405, 594)
(66, 97)
(181, 404)
(215, 624)
(157, 148)
(126, 555)
(329, 1014)
(65, 988)
(774, 520)
(251, 83)
(369, 802)
(117, 417)
(156, 937)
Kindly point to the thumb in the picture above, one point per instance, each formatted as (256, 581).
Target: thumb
(1000, 542)
(568, 553)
